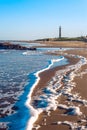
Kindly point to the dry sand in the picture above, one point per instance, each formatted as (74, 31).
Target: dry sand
(76, 44)
(50, 122)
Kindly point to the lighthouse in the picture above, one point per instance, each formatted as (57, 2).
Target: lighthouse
(59, 31)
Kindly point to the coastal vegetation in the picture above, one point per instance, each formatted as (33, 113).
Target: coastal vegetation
(82, 38)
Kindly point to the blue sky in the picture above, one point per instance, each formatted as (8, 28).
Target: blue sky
(34, 19)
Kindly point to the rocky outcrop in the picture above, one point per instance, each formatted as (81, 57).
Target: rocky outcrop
(8, 45)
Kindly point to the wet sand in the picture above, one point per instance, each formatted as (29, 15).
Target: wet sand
(48, 74)
(58, 119)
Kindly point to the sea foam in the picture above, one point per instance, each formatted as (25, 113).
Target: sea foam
(34, 112)
(47, 100)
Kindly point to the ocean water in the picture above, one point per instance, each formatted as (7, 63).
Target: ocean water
(18, 73)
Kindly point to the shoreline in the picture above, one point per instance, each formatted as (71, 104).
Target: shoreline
(43, 81)
(75, 98)
(34, 113)
(58, 118)
(47, 119)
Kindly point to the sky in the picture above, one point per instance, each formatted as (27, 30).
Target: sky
(35, 19)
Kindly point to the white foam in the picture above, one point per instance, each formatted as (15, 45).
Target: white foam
(72, 125)
(29, 53)
(34, 112)
(3, 125)
(52, 87)
(71, 110)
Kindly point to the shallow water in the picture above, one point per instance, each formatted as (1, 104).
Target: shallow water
(17, 70)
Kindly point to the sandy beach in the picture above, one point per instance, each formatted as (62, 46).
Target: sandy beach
(71, 110)
(72, 44)
(43, 65)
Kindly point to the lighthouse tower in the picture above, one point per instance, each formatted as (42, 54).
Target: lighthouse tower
(59, 31)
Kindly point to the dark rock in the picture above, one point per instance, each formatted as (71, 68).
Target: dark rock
(8, 45)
